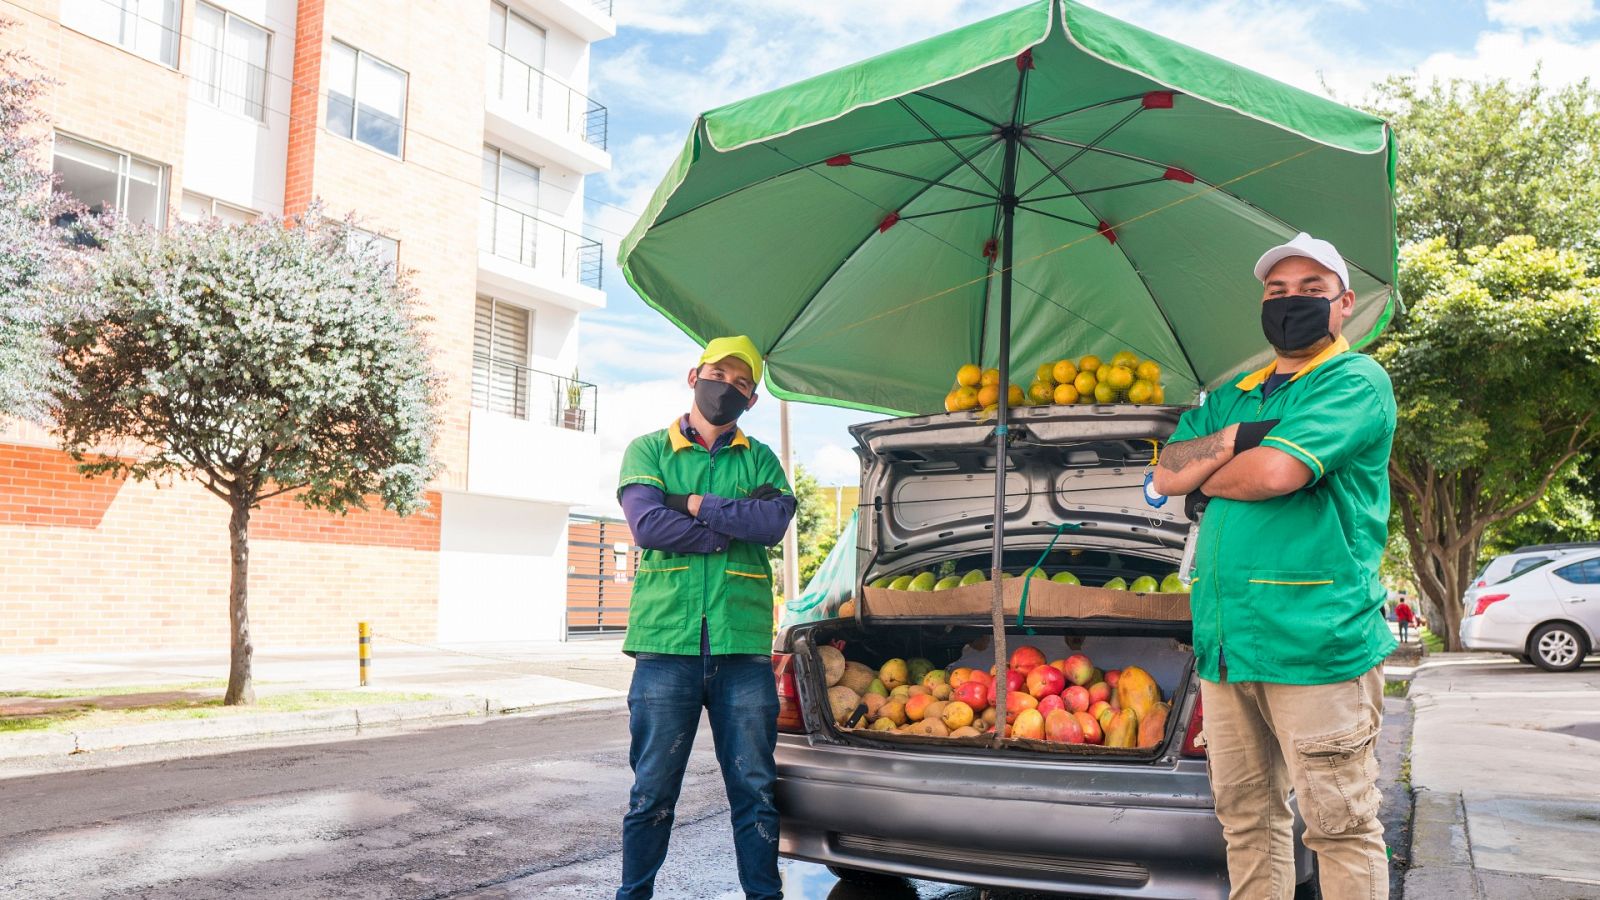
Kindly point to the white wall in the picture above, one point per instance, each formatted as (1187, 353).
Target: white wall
(502, 570)
(233, 157)
(510, 457)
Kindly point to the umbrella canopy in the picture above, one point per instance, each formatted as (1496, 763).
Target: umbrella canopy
(852, 224)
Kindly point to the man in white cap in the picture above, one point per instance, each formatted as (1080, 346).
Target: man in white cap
(1290, 465)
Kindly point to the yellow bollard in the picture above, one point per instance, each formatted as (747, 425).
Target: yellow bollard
(364, 648)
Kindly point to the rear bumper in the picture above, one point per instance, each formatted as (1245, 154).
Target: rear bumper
(1106, 830)
(1479, 633)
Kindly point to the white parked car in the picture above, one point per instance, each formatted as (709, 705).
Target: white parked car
(1547, 614)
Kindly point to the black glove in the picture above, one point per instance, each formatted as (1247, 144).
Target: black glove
(765, 492)
(1195, 504)
(1249, 435)
(679, 502)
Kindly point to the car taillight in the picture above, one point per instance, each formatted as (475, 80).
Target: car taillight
(1482, 584)
(1191, 737)
(788, 694)
(1487, 600)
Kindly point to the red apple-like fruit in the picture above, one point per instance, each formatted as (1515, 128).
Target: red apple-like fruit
(1062, 728)
(1049, 704)
(1060, 664)
(1099, 691)
(1025, 658)
(1079, 670)
(1015, 680)
(974, 694)
(1112, 676)
(1017, 701)
(1029, 724)
(1092, 733)
(1077, 698)
(1045, 680)
(1096, 708)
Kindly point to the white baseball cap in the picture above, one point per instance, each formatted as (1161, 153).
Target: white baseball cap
(1321, 252)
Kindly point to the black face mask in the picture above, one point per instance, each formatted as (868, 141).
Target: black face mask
(1292, 324)
(719, 401)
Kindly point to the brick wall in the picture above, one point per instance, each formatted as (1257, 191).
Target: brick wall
(106, 565)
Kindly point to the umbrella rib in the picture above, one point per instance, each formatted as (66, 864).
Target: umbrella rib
(1093, 106)
(957, 107)
(940, 212)
(1092, 226)
(931, 130)
(1051, 139)
(1086, 191)
(1092, 145)
(930, 183)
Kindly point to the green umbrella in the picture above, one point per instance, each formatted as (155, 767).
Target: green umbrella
(1048, 183)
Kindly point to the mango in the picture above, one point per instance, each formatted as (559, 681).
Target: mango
(894, 711)
(948, 582)
(975, 576)
(1144, 584)
(894, 673)
(847, 609)
(883, 725)
(917, 668)
(1064, 577)
(901, 583)
(1124, 730)
(923, 582)
(1137, 691)
(1153, 728)
(917, 706)
(1172, 584)
(876, 687)
(882, 582)
(1116, 584)
(933, 677)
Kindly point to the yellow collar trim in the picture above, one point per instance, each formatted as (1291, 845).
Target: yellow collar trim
(680, 441)
(1253, 380)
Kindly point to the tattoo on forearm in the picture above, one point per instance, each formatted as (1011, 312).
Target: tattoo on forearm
(1177, 457)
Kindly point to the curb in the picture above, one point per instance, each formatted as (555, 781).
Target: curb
(64, 743)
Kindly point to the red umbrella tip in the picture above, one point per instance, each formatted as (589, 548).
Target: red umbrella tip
(1105, 231)
(1025, 61)
(842, 159)
(1158, 100)
(888, 222)
(1176, 174)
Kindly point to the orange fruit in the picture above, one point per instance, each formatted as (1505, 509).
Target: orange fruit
(1149, 371)
(969, 375)
(968, 397)
(1141, 392)
(952, 402)
(990, 376)
(1119, 377)
(1126, 358)
(1064, 371)
(1066, 395)
(1104, 393)
(1086, 398)
(1015, 397)
(1089, 363)
(1158, 395)
(989, 395)
(1041, 392)
(1045, 372)
(1085, 383)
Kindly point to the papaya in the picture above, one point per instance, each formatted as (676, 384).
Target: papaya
(1137, 691)
(1153, 727)
(1124, 730)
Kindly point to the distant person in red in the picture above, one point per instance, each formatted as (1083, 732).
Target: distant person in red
(1404, 615)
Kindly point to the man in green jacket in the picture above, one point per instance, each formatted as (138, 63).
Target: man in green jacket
(705, 502)
(1290, 466)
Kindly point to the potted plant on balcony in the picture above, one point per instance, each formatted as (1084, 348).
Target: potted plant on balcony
(574, 415)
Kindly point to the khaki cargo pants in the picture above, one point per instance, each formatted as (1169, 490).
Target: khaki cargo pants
(1261, 739)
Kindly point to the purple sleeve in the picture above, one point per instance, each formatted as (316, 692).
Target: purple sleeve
(655, 526)
(756, 521)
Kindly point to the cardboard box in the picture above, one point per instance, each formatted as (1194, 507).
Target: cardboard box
(1046, 600)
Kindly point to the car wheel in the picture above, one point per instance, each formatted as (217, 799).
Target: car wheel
(1557, 647)
(1311, 888)
(863, 878)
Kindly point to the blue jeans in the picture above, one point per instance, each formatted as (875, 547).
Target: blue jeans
(664, 703)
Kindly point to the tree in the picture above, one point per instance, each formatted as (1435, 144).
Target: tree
(31, 255)
(1481, 161)
(810, 515)
(1496, 371)
(258, 360)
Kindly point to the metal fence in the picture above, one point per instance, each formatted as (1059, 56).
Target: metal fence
(546, 97)
(525, 238)
(604, 6)
(506, 387)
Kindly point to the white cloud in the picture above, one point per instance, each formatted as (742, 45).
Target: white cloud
(1543, 15)
(834, 464)
(1513, 55)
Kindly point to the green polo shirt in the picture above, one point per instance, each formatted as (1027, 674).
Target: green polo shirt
(731, 590)
(1286, 589)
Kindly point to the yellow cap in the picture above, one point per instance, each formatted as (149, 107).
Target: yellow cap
(737, 346)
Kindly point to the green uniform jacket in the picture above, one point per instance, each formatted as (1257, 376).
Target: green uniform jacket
(731, 590)
(1286, 590)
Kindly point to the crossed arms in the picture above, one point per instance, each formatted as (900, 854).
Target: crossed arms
(1210, 464)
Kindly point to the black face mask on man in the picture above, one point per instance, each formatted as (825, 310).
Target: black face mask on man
(719, 401)
(1292, 324)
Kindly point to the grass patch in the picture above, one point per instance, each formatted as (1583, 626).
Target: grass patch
(88, 715)
(119, 691)
(1396, 688)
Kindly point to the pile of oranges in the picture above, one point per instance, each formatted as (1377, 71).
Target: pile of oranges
(1125, 378)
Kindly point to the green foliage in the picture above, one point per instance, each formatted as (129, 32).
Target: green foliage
(811, 515)
(1568, 511)
(1480, 161)
(257, 359)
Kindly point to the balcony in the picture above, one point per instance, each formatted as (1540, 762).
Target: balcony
(530, 108)
(523, 393)
(525, 256)
(590, 20)
(531, 436)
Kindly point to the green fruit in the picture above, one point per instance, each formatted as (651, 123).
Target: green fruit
(918, 667)
(1171, 584)
(876, 687)
(1035, 572)
(1144, 584)
(883, 582)
(1116, 584)
(948, 582)
(973, 577)
(1005, 575)
(900, 584)
(923, 582)
(1065, 578)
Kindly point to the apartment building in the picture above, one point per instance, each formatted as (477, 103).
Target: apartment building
(459, 133)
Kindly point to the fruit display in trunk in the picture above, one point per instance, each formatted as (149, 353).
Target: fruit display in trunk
(842, 702)
(1123, 731)
(1092, 731)
(894, 673)
(1028, 724)
(957, 714)
(1153, 726)
(1137, 691)
(1050, 704)
(974, 694)
(1025, 658)
(832, 664)
(858, 677)
(917, 706)
(1062, 727)
(1046, 680)
(1078, 669)
(1076, 698)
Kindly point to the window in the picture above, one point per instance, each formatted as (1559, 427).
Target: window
(366, 99)
(146, 27)
(230, 62)
(104, 179)
(516, 59)
(387, 248)
(197, 207)
(509, 227)
(500, 357)
(1586, 572)
(1523, 565)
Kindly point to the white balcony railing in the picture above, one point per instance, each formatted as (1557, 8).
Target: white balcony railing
(528, 240)
(544, 97)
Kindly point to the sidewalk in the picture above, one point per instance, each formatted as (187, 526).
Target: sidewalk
(1504, 763)
(457, 680)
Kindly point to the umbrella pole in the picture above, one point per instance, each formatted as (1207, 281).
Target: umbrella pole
(1008, 206)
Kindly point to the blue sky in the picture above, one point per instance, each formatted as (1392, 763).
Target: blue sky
(672, 59)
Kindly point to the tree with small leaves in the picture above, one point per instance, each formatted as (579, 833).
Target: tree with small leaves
(257, 359)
